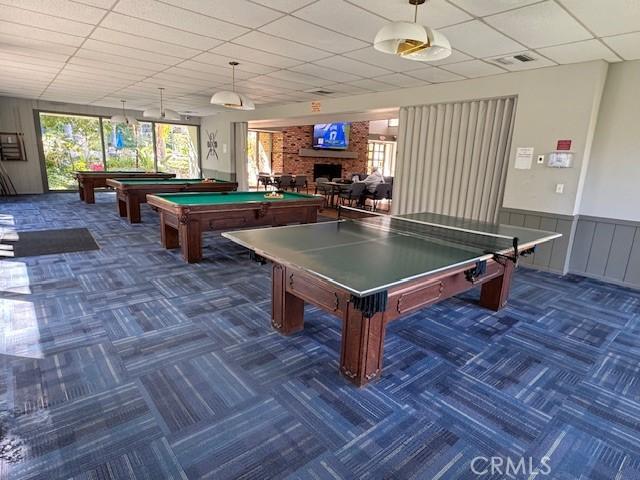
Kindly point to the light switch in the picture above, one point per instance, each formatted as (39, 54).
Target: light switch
(540, 159)
(560, 188)
(224, 148)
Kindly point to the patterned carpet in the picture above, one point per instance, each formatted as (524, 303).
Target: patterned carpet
(128, 363)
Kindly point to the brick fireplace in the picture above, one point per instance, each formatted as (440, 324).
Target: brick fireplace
(288, 142)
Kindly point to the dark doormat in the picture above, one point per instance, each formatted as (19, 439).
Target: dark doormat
(47, 242)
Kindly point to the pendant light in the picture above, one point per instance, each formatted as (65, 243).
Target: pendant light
(412, 40)
(124, 118)
(162, 113)
(231, 99)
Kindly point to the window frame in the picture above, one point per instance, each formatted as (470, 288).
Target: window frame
(100, 118)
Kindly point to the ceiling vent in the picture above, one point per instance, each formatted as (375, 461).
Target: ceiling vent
(515, 59)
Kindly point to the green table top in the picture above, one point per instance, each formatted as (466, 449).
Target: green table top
(367, 256)
(221, 198)
(160, 181)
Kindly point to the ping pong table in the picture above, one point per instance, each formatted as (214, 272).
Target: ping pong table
(373, 270)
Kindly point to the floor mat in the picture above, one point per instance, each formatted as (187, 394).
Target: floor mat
(47, 242)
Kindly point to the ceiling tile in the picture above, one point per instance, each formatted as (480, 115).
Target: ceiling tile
(23, 31)
(142, 43)
(390, 62)
(627, 46)
(240, 12)
(455, 57)
(516, 65)
(205, 61)
(539, 25)
(489, 7)
(130, 52)
(479, 40)
(435, 75)
(241, 53)
(352, 66)
(118, 60)
(344, 17)
(400, 80)
(40, 45)
(269, 81)
(98, 65)
(47, 22)
(171, 16)
(435, 13)
(605, 18)
(346, 88)
(312, 35)
(325, 73)
(106, 4)
(281, 46)
(300, 78)
(123, 23)
(284, 5)
(23, 52)
(222, 76)
(473, 68)
(373, 85)
(579, 52)
(60, 8)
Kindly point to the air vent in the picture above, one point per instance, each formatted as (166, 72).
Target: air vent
(320, 92)
(520, 58)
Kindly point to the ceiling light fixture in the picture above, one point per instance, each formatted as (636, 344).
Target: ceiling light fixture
(232, 99)
(124, 118)
(162, 113)
(412, 40)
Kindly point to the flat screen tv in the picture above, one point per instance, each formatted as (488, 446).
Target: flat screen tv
(331, 136)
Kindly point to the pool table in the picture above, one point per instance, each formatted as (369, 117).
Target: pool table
(89, 180)
(184, 216)
(131, 192)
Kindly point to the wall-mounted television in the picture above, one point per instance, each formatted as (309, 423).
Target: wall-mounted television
(331, 136)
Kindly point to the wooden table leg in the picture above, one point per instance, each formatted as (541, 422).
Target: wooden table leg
(190, 238)
(168, 234)
(287, 310)
(122, 207)
(133, 209)
(81, 191)
(495, 292)
(88, 193)
(362, 346)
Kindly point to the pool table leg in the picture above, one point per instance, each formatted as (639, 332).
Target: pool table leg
(362, 345)
(122, 207)
(168, 234)
(81, 191)
(133, 210)
(190, 238)
(495, 293)
(287, 310)
(88, 193)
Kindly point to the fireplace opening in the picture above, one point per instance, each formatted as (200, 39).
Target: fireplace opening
(327, 170)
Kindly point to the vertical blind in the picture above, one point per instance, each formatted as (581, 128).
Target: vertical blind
(239, 154)
(453, 158)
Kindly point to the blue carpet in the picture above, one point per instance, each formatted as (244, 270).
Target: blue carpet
(126, 362)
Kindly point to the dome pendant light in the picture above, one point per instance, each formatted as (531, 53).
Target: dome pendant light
(412, 40)
(128, 121)
(162, 113)
(233, 100)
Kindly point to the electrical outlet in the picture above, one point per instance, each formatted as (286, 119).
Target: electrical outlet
(540, 159)
(560, 188)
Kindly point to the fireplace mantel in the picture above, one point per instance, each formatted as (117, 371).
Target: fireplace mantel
(310, 152)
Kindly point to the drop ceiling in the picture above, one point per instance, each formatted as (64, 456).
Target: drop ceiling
(100, 51)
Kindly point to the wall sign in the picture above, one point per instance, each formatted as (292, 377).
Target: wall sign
(563, 145)
(524, 156)
(316, 107)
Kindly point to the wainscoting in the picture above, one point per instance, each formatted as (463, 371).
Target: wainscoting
(552, 256)
(607, 249)
(602, 248)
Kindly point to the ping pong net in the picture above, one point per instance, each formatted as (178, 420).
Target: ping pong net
(481, 242)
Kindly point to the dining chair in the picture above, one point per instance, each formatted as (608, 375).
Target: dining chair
(300, 181)
(352, 193)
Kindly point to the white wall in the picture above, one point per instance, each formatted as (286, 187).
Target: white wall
(553, 103)
(220, 166)
(612, 188)
(17, 115)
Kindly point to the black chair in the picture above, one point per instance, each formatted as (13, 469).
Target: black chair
(264, 179)
(353, 192)
(382, 191)
(300, 181)
(284, 182)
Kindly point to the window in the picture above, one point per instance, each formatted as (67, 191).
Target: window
(259, 145)
(83, 142)
(381, 155)
(177, 149)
